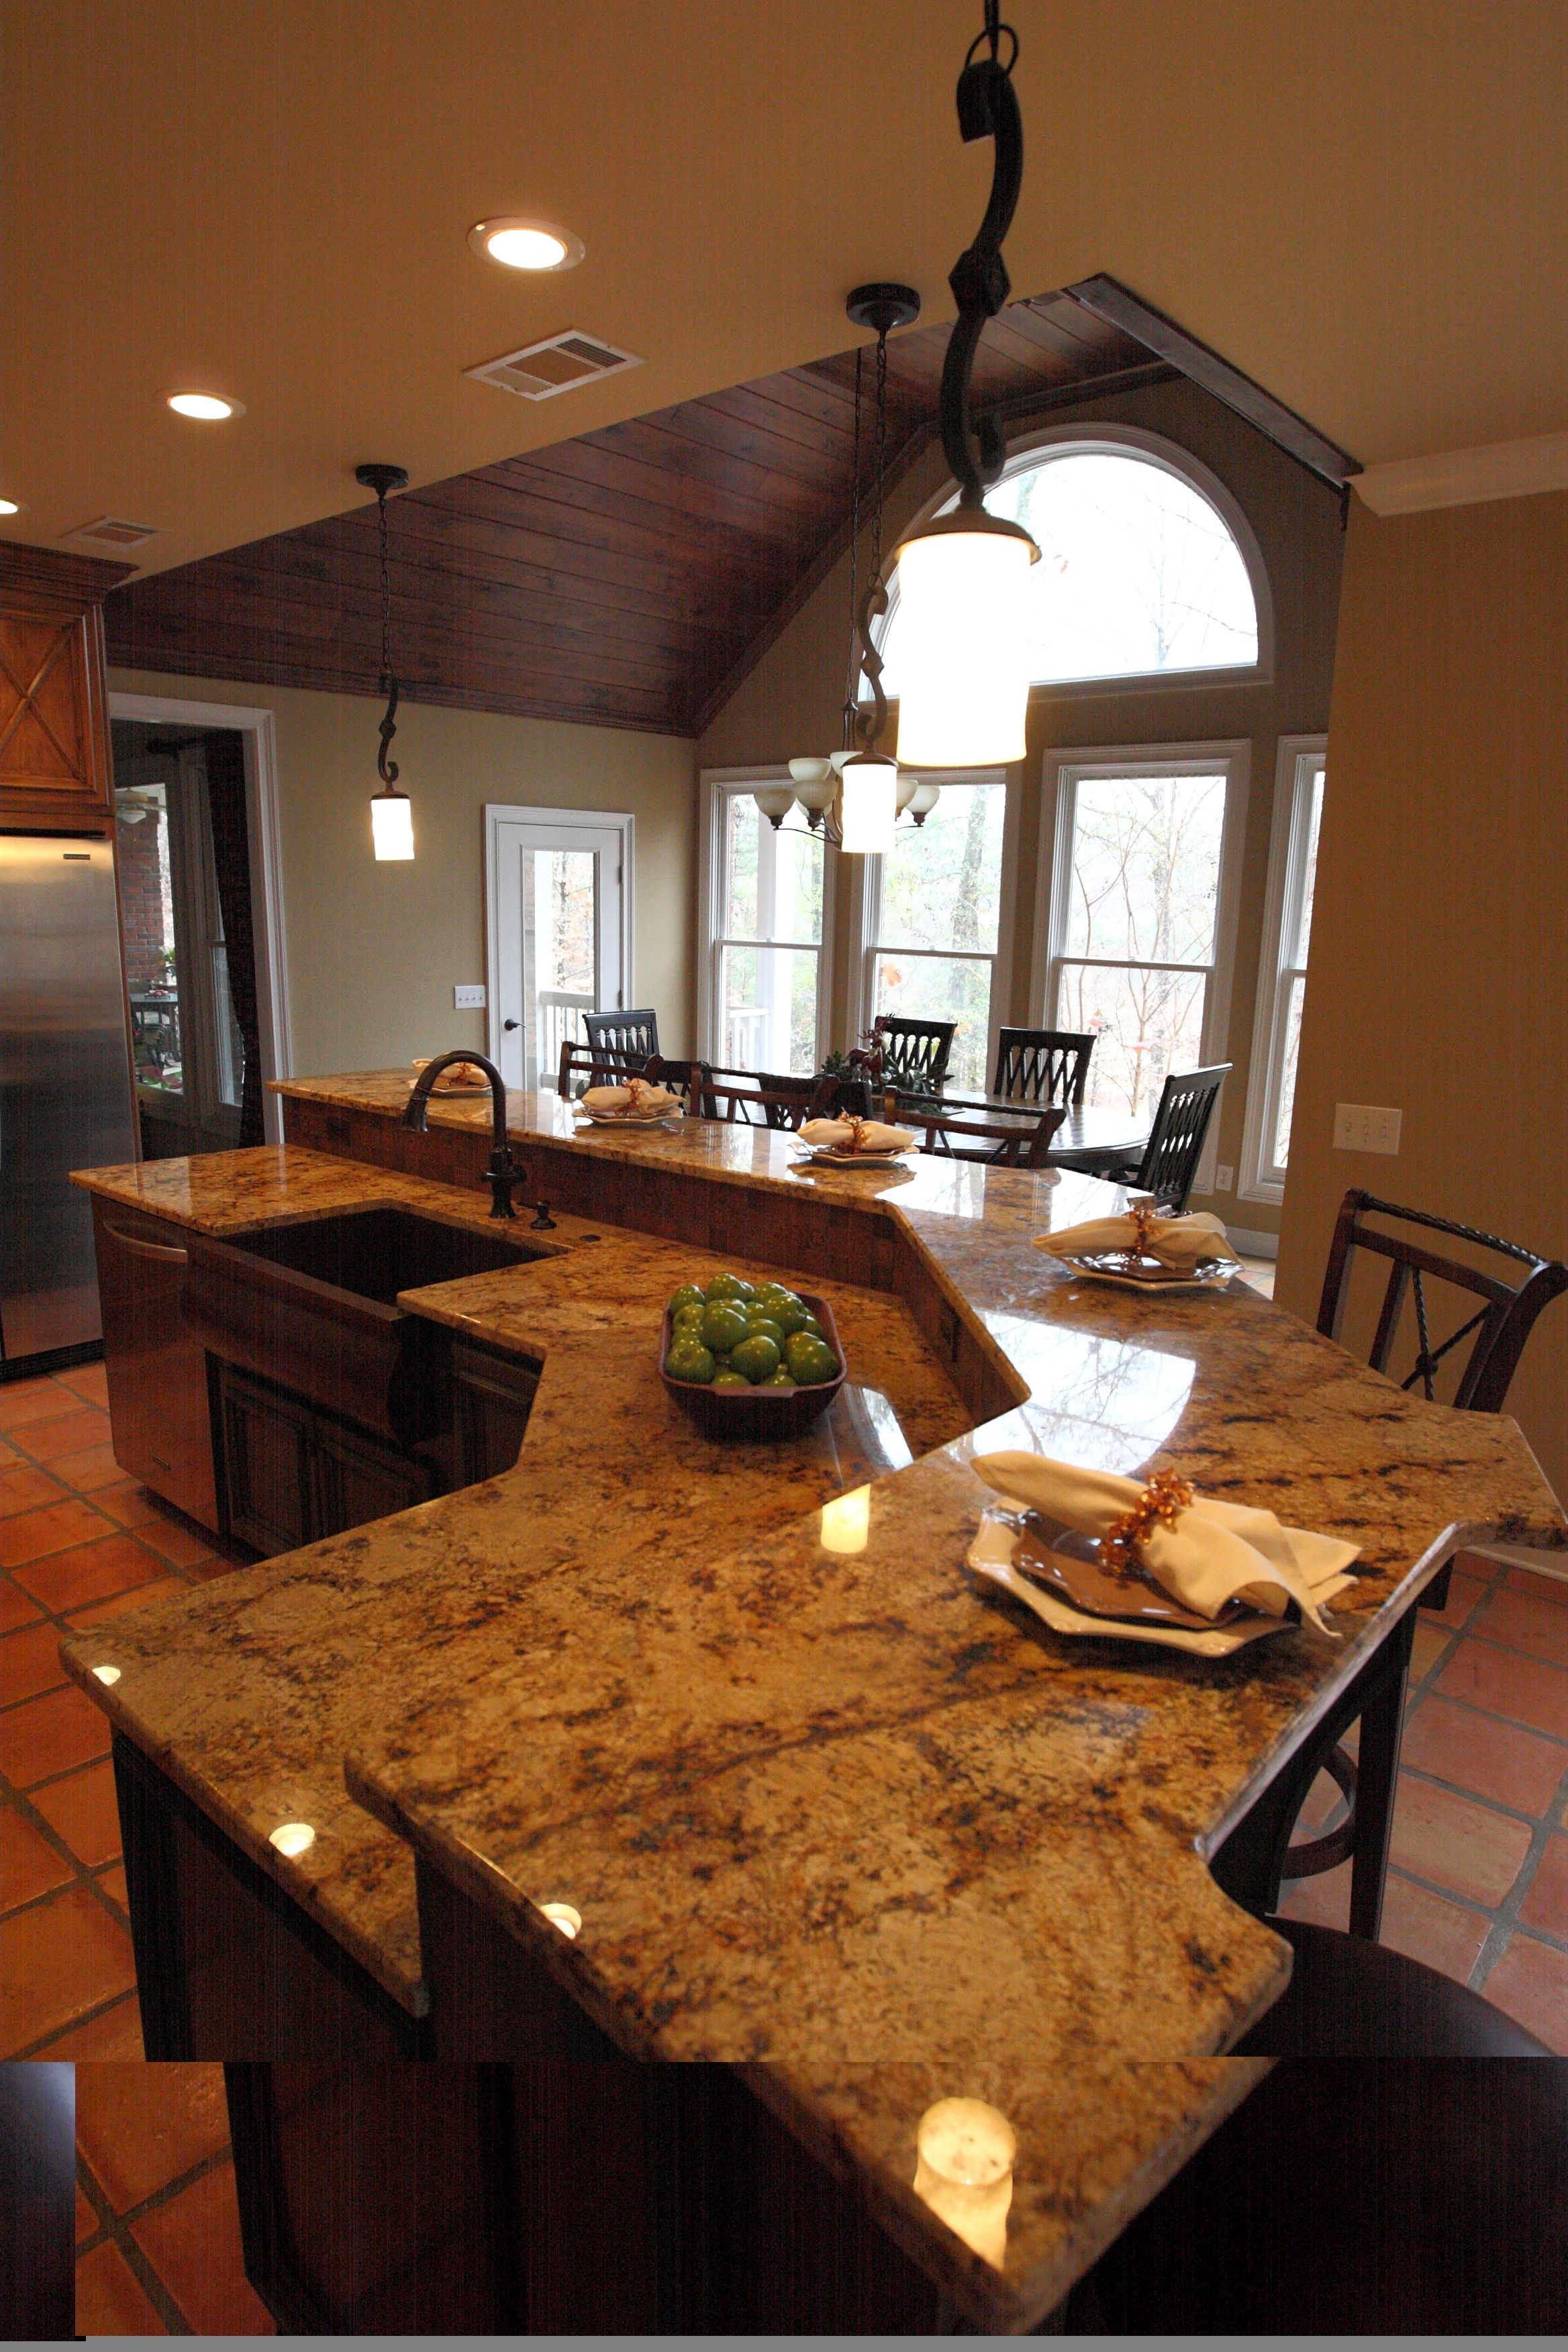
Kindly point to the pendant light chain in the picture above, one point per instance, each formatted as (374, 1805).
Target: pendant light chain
(852, 676)
(385, 602)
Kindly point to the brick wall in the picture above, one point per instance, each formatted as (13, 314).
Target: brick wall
(146, 911)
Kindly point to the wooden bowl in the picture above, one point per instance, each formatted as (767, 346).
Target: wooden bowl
(763, 1415)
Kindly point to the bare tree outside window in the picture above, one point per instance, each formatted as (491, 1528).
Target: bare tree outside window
(1139, 944)
(770, 951)
(1139, 573)
(937, 921)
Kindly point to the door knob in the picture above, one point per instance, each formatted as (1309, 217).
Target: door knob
(508, 1025)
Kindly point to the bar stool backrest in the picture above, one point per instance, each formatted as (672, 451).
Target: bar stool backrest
(1501, 1325)
(915, 1053)
(1175, 1144)
(623, 1032)
(1043, 1064)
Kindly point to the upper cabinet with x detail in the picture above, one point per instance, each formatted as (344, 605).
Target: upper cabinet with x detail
(55, 770)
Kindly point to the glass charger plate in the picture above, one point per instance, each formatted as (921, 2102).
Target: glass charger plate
(828, 1157)
(623, 1119)
(1111, 1265)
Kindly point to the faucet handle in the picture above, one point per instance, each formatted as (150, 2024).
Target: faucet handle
(543, 1223)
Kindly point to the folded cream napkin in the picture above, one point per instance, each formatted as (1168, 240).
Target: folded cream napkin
(637, 1098)
(1177, 1242)
(1205, 1554)
(856, 1135)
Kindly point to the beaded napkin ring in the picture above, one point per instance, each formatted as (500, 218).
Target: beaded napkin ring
(1163, 1498)
(1142, 1218)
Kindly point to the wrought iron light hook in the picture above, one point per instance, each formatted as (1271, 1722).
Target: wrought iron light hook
(883, 307)
(987, 109)
(383, 479)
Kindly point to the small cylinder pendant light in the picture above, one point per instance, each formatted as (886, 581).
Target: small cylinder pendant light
(964, 647)
(868, 804)
(390, 811)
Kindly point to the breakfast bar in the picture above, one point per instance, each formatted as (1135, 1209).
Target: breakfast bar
(650, 1749)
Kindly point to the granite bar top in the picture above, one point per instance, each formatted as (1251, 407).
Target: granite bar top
(837, 1816)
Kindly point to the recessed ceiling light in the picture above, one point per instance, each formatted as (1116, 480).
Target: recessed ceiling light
(10, 506)
(523, 244)
(207, 406)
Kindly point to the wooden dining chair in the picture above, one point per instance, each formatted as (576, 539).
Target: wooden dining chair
(1169, 1164)
(758, 1097)
(998, 1143)
(1043, 1064)
(1258, 1855)
(623, 1032)
(915, 1053)
(582, 1066)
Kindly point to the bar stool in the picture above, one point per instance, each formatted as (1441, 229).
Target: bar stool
(1258, 1855)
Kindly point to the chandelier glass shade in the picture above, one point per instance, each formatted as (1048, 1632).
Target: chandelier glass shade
(868, 804)
(390, 811)
(392, 824)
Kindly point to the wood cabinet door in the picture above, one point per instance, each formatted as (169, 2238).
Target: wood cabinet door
(267, 1463)
(156, 1368)
(55, 767)
(357, 1480)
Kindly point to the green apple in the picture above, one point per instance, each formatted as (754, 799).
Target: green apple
(690, 1362)
(727, 1285)
(809, 1360)
(729, 1380)
(689, 1294)
(757, 1358)
(724, 1325)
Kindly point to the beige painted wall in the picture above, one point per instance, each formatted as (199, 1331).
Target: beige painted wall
(1438, 982)
(790, 703)
(375, 951)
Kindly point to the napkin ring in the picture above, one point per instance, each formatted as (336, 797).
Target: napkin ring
(1142, 1217)
(1166, 1494)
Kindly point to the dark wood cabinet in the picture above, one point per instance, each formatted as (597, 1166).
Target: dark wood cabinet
(158, 1403)
(492, 1395)
(293, 1473)
(55, 771)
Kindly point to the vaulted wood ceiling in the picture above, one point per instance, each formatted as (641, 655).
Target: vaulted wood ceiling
(629, 578)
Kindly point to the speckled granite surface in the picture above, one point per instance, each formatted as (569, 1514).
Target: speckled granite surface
(837, 1816)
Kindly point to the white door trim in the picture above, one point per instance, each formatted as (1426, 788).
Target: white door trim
(268, 937)
(500, 812)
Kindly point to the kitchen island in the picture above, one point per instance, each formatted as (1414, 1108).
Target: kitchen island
(825, 1812)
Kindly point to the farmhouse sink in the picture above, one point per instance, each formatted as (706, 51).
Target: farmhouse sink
(311, 1308)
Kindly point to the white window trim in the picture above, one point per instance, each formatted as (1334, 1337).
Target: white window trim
(269, 938)
(1063, 769)
(1298, 757)
(717, 785)
(866, 907)
(1117, 440)
(500, 812)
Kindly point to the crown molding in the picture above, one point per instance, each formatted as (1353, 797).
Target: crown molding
(1462, 477)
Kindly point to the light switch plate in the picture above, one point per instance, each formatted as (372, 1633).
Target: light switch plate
(1366, 1127)
(471, 999)
(1224, 1178)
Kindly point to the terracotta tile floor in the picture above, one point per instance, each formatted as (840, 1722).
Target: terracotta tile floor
(1478, 1883)
(158, 2250)
(76, 1546)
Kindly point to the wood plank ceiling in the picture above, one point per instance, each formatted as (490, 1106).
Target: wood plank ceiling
(629, 578)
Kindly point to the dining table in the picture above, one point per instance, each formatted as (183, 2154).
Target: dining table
(1098, 1139)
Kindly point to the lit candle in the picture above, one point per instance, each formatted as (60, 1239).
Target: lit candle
(966, 2172)
(292, 1837)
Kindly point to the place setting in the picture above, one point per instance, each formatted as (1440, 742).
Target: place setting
(857, 1143)
(638, 1103)
(1143, 1250)
(1092, 1554)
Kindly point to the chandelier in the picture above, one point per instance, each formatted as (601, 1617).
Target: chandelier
(965, 651)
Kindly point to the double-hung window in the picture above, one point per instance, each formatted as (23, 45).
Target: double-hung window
(762, 985)
(1282, 972)
(1142, 893)
(933, 920)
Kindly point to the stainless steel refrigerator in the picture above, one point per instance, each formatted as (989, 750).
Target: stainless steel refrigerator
(65, 1083)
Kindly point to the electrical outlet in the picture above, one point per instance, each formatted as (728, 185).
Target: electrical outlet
(471, 999)
(1224, 1178)
(1366, 1127)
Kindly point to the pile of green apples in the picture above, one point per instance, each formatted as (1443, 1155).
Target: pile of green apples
(730, 1334)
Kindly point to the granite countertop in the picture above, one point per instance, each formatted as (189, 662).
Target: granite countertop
(840, 1816)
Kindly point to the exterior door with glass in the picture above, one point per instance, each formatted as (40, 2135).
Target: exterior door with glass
(558, 934)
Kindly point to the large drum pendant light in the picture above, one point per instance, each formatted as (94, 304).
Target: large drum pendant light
(963, 653)
(390, 811)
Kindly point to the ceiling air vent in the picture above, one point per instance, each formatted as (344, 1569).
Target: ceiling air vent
(110, 530)
(558, 364)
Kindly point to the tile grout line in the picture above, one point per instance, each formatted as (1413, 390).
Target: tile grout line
(1506, 1921)
(116, 2232)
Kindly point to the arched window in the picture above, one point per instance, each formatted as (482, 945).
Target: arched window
(1141, 573)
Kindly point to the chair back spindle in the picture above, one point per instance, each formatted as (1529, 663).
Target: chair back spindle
(1171, 1156)
(623, 1032)
(1043, 1064)
(915, 1053)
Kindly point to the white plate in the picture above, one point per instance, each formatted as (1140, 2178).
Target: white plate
(436, 1091)
(1224, 1270)
(627, 1118)
(828, 1157)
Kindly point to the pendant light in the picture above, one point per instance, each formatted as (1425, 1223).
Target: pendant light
(856, 797)
(390, 811)
(964, 648)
